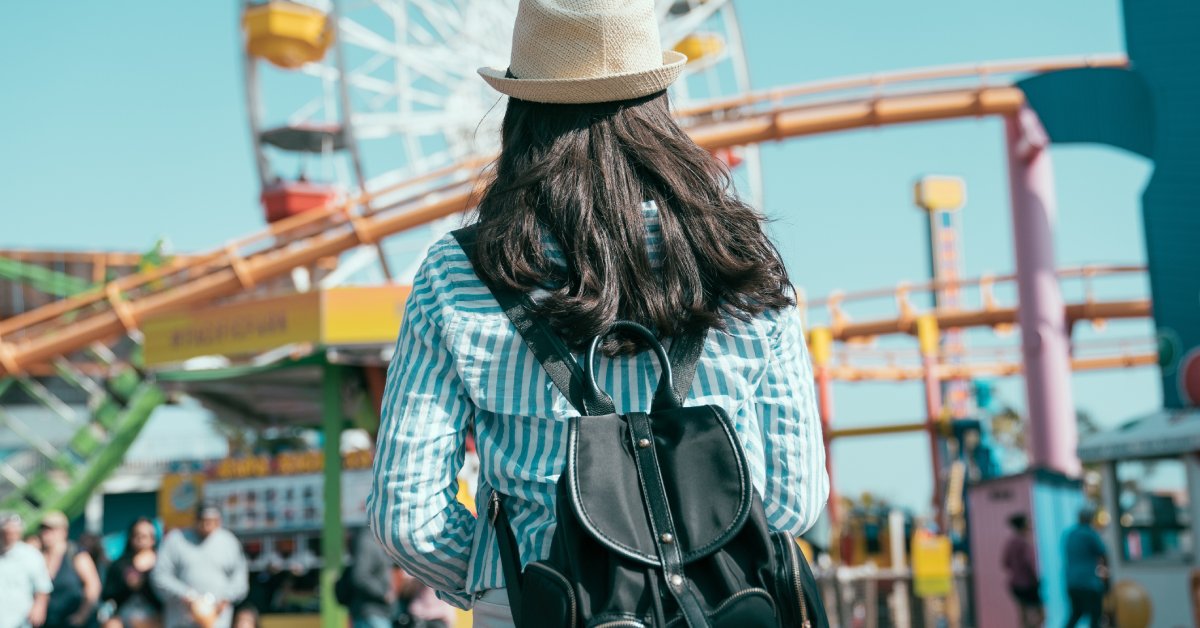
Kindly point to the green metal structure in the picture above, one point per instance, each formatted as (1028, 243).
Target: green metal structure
(118, 406)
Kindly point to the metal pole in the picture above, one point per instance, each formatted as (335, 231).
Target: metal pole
(351, 138)
(820, 344)
(928, 339)
(254, 114)
(1045, 338)
(901, 616)
(332, 537)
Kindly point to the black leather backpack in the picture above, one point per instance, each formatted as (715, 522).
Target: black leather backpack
(658, 523)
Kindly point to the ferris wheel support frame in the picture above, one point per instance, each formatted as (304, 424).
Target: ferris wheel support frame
(349, 132)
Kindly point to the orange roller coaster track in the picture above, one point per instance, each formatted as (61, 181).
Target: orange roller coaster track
(980, 307)
(65, 326)
(988, 313)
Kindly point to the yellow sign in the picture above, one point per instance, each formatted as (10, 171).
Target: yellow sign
(359, 315)
(933, 574)
(252, 467)
(234, 329)
(938, 193)
(178, 496)
(287, 463)
(362, 315)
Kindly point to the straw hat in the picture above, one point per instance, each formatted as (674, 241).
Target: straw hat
(584, 51)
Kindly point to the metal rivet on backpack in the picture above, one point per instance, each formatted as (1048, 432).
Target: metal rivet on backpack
(677, 581)
(644, 443)
(667, 538)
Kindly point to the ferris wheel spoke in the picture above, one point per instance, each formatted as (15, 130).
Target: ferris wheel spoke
(675, 29)
(359, 81)
(379, 124)
(438, 73)
(375, 63)
(432, 10)
(307, 112)
(428, 34)
(430, 62)
(363, 37)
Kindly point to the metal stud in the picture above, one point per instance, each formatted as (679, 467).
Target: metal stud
(677, 581)
(644, 443)
(667, 538)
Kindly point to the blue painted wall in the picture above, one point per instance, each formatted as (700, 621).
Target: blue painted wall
(1152, 109)
(1056, 504)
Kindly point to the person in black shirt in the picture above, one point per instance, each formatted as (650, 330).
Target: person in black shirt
(73, 572)
(127, 584)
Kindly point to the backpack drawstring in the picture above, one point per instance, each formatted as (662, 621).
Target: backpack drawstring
(660, 617)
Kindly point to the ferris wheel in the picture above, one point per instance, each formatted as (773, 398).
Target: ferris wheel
(349, 97)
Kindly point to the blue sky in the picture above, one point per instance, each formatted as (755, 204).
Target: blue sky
(123, 122)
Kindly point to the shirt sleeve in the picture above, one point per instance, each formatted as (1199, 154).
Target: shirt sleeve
(163, 577)
(797, 485)
(239, 577)
(39, 574)
(426, 413)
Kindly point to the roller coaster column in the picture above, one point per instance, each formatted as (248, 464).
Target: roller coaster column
(1045, 339)
(929, 340)
(333, 539)
(820, 346)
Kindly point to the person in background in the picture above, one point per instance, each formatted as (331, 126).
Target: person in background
(11, 528)
(200, 573)
(422, 608)
(245, 616)
(1086, 570)
(91, 543)
(371, 596)
(127, 583)
(24, 582)
(73, 573)
(1020, 561)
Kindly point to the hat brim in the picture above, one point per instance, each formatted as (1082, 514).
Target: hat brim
(606, 88)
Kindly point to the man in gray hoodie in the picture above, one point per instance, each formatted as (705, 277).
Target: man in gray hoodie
(200, 573)
(371, 598)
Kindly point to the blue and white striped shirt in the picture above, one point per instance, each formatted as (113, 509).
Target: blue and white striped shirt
(459, 363)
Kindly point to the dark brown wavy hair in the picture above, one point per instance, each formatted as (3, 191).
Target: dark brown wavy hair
(580, 174)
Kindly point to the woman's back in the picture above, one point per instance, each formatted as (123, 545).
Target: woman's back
(600, 208)
(461, 365)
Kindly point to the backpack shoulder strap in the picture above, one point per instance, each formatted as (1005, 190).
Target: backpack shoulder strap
(547, 347)
(684, 356)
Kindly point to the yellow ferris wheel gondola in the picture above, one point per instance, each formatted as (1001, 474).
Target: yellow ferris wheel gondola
(699, 46)
(287, 34)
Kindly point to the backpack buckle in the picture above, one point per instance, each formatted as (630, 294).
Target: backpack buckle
(493, 507)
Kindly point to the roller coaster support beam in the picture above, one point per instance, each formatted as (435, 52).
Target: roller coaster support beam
(879, 430)
(820, 347)
(929, 339)
(1045, 338)
(333, 540)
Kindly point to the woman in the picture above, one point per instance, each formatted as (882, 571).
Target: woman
(127, 584)
(1019, 559)
(73, 573)
(91, 543)
(603, 209)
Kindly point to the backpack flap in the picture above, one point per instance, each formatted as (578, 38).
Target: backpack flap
(704, 471)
